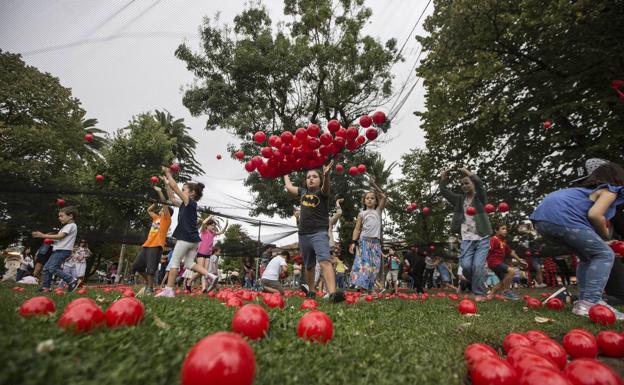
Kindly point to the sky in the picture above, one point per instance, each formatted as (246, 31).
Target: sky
(117, 56)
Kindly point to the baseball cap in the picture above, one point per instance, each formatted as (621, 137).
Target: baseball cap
(590, 166)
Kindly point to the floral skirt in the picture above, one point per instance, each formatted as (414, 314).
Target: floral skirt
(366, 264)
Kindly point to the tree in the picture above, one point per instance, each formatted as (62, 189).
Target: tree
(236, 245)
(496, 70)
(315, 68)
(183, 145)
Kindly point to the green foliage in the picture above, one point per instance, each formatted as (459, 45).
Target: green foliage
(183, 145)
(236, 246)
(496, 70)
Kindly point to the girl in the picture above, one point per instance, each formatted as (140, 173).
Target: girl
(185, 233)
(577, 217)
(313, 226)
(81, 254)
(367, 232)
(207, 232)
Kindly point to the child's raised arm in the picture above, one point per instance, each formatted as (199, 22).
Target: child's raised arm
(289, 186)
(173, 200)
(174, 186)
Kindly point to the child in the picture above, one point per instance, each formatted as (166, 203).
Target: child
(207, 232)
(313, 226)
(26, 263)
(496, 262)
(213, 269)
(81, 254)
(577, 217)
(61, 249)
(394, 264)
(475, 229)
(146, 262)
(186, 233)
(367, 233)
(271, 276)
(446, 275)
(41, 257)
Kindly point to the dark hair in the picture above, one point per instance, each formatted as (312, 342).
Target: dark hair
(215, 249)
(70, 211)
(197, 188)
(320, 174)
(498, 225)
(610, 173)
(285, 253)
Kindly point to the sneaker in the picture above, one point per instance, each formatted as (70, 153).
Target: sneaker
(618, 314)
(336, 297)
(511, 295)
(212, 286)
(167, 292)
(311, 295)
(305, 288)
(72, 285)
(480, 298)
(540, 285)
(582, 308)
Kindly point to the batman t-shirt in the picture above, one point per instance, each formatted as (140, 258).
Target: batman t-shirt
(314, 212)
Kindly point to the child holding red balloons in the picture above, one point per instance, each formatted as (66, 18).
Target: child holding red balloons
(185, 233)
(313, 226)
(367, 233)
(471, 221)
(577, 217)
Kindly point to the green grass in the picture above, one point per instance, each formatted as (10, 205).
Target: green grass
(385, 342)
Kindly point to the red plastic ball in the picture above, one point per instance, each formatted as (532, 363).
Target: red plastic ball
(379, 118)
(493, 371)
(80, 301)
(333, 125)
(88, 138)
(339, 168)
(37, 306)
(618, 247)
(543, 376)
(466, 306)
(175, 167)
(513, 340)
(555, 304)
(552, 350)
(99, 178)
(249, 166)
(611, 343)
(251, 321)
(533, 303)
(219, 156)
(82, 318)
(353, 171)
(426, 211)
(219, 359)
(309, 304)
(587, 371)
(274, 301)
(547, 124)
(471, 211)
(154, 179)
(503, 207)
(239, 155)
(532, 360)
(534, 335)
(352, 133)
(313, 129)
(361, 168)
(127, 311)
(579, 345)
(365, 121)
(48, 241)
(518, 352)
(259, 137)
(315, 326)
(477, 352)
(601, 314)
(234, 302)
(326, 139)
(60, 202)
(489, 208)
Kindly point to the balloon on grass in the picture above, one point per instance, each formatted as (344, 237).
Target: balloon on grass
(251, 321)
(315, 326)
(37, 306)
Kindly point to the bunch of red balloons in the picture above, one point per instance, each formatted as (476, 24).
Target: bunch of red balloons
(309, 148)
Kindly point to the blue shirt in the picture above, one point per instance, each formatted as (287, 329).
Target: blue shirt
(569, 207)
(186, 230)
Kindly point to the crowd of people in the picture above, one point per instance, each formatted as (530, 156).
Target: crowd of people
(582, 221)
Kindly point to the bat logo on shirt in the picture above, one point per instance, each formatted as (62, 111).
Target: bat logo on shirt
(310, 200)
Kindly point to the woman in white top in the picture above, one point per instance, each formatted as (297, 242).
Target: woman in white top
(367, 234)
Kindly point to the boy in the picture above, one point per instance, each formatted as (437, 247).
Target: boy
(276, 267)
(61, 249)
(394, 264)
(146, 262)
(213, 269)
(496, 262)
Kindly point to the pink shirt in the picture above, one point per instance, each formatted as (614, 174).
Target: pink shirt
(205, 246)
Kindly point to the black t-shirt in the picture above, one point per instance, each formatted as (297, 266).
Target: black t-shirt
(186, 230)
(414, 260)
(314, 212)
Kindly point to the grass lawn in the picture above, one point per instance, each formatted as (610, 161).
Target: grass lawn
(396, 341)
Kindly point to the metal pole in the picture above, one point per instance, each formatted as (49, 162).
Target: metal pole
(259, 252)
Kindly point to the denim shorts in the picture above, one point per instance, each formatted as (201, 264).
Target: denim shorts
(314, 247)
(500, 270)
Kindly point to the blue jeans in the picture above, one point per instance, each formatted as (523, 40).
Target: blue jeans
(595, 257)
(472, 261)
(340, 280)
(53, 267)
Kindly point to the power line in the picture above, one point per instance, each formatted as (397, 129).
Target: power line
(412, 31)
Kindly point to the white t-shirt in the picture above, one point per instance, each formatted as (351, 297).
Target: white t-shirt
(213, 264)
(371, 223)
(469, 226)
(66, 243)
(273, 269)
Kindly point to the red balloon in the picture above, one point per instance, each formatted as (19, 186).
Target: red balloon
(333, 125)
(489, 208)
(579, 344)
(611, 343)
(259, 137)
(413, 206)
(353, 171)
(618, 247)
(88, 138)
(99, 178)
(493, 371)
(127, 311)
(352, 133)
(471, 211)
(220, 359)
(175, 167)
(513, 340)
(251, 321)
(503, 207)
(466, 306)
(326, 138)
(477, 352)
(274, 300)
(547, 124)
(534, 335)
(555, 304)
(426, 211)
(219, 156)
(552, 350)
(519, 351)
(601, 314)
(315, 326)
(532, 360)
(37, 306)
(339, 168)
(301, 133)
(341, 133)
(80, 301)
(314, 143)
(543, 376)
(60, 202)
(256, 161)
(587, 371)
(82, 318)
(366, 121)
(339, 142)
(313, 129)
(249, 166)
(154, 179)
(266, 152)
(234, 302)
(533, 303)
(379, 118)
(361, 168)
(371, 134)
(309, 304)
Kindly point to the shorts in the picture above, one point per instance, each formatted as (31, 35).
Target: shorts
(200, 255)
(500, 270)
(188, 273)
(536, 263)
(393, 276)
(184, 252)
(445, 277)
(314, 247)
(272, 284)
(42, 258)
(81, 268)
(147, 260)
